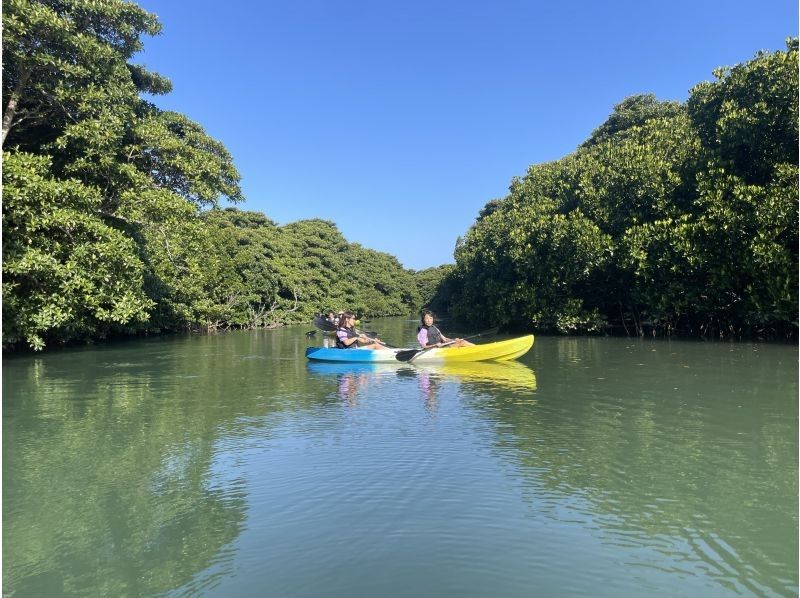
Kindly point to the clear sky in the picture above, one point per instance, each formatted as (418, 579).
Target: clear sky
(400, 120)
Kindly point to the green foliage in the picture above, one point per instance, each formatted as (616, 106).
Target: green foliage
(56, 51)
(430, 283)
(634, 111)
(110, 216)
(523, 264)
(66, 274)
(287, 274)
(747, 119)
(680, 216)
(668, 217)
(731, 266)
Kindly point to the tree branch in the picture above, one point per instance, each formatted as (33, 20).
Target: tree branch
(179, 267)
(11, 108)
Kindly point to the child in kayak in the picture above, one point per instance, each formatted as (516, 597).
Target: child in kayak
(430, 336)
(348, 338)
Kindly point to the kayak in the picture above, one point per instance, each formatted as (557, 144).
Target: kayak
(497, 351)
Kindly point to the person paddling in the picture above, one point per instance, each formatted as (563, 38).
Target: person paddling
(348, 338)
(430, 336)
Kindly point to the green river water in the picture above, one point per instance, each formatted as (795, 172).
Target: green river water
(228, 466)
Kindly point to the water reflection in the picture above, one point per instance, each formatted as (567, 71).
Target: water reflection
(683, 461)
(232, 466)
(353, 379)
(349, 385)
(508, 374)
(105, 476)
(429, 387)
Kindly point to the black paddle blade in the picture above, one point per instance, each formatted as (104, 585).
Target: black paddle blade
(324, 324)
(406, 355)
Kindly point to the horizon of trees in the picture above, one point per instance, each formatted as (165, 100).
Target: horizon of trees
(670, 217)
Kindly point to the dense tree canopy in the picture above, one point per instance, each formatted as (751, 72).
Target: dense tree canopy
(111, 218)
(280, 274)
(669, 217)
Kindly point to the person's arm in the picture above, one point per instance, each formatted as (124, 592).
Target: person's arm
(363, 338)
(345, 338)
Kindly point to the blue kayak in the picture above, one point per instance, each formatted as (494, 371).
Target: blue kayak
(351, 355)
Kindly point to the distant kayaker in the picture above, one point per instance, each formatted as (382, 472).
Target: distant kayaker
(348, 338)
(430, 336)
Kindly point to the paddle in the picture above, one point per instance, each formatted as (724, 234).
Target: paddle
(328, 326)
(410, 354)
(324, 324)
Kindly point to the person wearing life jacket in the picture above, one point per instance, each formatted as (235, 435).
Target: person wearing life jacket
(430, 336)
(348, 338)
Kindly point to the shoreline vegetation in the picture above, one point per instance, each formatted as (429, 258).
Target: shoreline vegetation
(671, 218)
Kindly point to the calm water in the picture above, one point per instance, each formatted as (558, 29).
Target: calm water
(228, 466)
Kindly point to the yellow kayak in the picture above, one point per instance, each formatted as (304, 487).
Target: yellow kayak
(497, 351)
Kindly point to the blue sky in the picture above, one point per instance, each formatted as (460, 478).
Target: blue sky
(400, 120)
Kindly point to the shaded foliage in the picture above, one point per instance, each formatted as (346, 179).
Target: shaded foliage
(430, 282)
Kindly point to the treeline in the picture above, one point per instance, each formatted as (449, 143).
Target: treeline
(111, 218)
(671, 217)
(266, 275)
